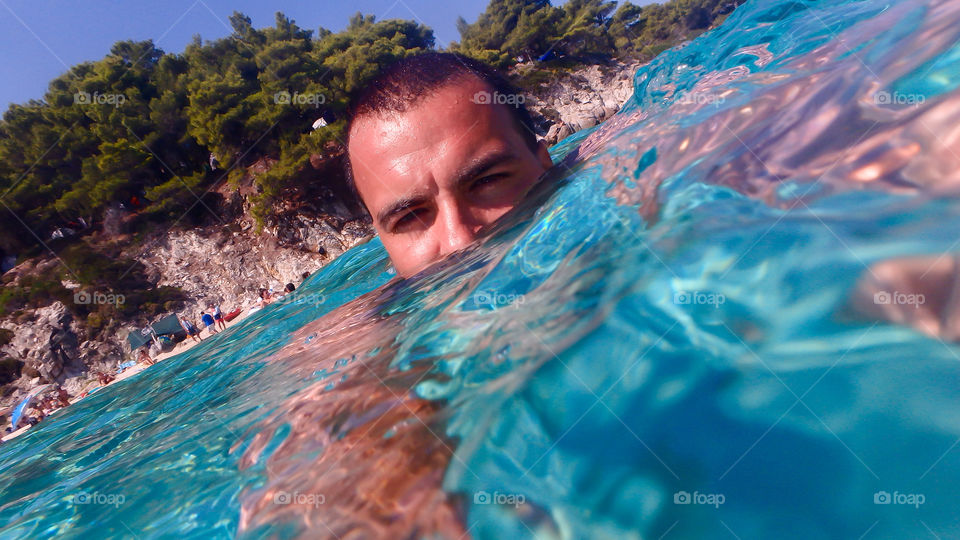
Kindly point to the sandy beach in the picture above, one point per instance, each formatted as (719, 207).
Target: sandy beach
(179, 348)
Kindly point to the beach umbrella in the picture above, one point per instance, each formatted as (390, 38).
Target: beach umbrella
(168, 325)
(138, 338)
(22, 407)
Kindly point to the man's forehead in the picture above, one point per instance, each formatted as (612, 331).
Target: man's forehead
(428, 118)
(447, 125)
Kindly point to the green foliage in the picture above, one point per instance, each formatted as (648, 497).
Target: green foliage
(138, 127)
(511, 30)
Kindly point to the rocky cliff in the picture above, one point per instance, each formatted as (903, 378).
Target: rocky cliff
(579, 99)
(222, 260)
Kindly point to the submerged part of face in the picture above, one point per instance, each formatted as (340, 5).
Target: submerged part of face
(434, 176)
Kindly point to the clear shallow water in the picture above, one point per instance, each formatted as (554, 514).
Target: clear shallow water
(687, 310)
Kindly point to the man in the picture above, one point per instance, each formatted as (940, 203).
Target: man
(190, 329)
(218, 317)
(208, 323)
(439, 147)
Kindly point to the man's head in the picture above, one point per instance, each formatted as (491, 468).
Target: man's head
(439, 147)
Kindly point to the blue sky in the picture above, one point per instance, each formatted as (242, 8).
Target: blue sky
(40, 39)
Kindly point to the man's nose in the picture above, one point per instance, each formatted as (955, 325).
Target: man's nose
(461, 228)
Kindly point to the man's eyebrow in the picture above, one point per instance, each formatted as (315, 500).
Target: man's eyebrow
(471, 170)
(399, 206)
(480, 165)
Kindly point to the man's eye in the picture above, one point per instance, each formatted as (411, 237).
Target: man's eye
(412, 217)
(488, 180)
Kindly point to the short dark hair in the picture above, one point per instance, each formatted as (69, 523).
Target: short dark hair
(405, 82)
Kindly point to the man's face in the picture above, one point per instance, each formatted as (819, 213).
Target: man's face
(436, 174)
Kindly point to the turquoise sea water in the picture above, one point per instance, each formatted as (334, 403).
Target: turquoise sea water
(683, 334)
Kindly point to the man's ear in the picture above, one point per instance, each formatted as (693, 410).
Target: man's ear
(544, 155)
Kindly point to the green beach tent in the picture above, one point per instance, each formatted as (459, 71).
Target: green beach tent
(167, 325)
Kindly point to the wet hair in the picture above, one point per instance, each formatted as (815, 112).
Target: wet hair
(289, 287)
(404, 83)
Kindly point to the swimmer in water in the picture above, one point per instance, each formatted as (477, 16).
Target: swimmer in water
(440, 147)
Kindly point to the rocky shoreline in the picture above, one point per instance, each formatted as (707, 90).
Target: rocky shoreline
(227, 259)
(582, 98)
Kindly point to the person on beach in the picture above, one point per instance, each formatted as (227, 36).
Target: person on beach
(190, 329)
(289, 288)
(38, 413)
(439, 147)
(208, 323)
(265, 298)
(62, 396)
(218, 317)
(155, 349)
(47, 406)
(144, 356)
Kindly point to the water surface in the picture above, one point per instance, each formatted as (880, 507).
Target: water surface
(679, 335)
